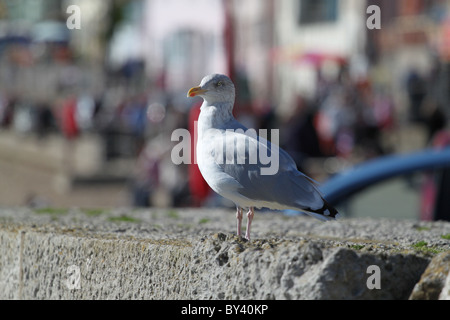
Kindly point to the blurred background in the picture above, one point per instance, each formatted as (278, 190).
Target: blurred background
(87, 113)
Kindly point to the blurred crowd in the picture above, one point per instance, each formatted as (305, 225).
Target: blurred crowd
(135, 115)
(344, 118)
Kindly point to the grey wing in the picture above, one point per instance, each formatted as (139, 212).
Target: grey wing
(279, 183)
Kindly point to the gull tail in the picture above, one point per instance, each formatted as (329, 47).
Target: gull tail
(326, 213)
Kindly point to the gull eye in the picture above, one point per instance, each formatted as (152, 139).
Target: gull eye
(219, 84)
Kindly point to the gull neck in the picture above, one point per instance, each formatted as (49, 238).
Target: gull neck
(216, 115)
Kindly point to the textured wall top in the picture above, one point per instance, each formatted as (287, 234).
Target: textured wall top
(193, 254)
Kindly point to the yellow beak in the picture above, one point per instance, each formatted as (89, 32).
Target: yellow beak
(195, 91)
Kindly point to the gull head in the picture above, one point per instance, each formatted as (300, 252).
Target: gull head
(214, 88)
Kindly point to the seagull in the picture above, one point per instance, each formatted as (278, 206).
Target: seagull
(236, 175)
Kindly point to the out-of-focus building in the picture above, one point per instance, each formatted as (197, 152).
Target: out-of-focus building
(413, 47)
(253, 22)
(183, 41)
(37, 49)
(313, 36)
(89, 41)
(45, 21)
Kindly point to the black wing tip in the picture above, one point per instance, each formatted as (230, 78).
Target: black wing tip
(327, 211)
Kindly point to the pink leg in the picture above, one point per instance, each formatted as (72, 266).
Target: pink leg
(250, 215)
(239, 220)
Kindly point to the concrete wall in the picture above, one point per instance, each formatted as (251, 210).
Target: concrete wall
(189, 254)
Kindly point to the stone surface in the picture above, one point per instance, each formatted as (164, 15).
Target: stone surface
(434, 279)
(445, 293)
(192, 254)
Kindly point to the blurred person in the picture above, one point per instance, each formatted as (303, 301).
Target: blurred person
(23, 117)
(367, 127)
(69, 128)
(157, 181)
(68, 120)
(335, 123)
(442, 209)
(85, 109)
(138, 119)
(384, 111)
(416, 90)
(7, 105)
(435, 203)
(44, 119)
(146, 178)
(434, 118)
(302, 140)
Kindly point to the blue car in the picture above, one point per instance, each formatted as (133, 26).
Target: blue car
(415, 185)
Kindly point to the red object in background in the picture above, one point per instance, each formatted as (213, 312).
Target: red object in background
(428, 196)
(444, 47)
(69, 125)
(198, 187)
